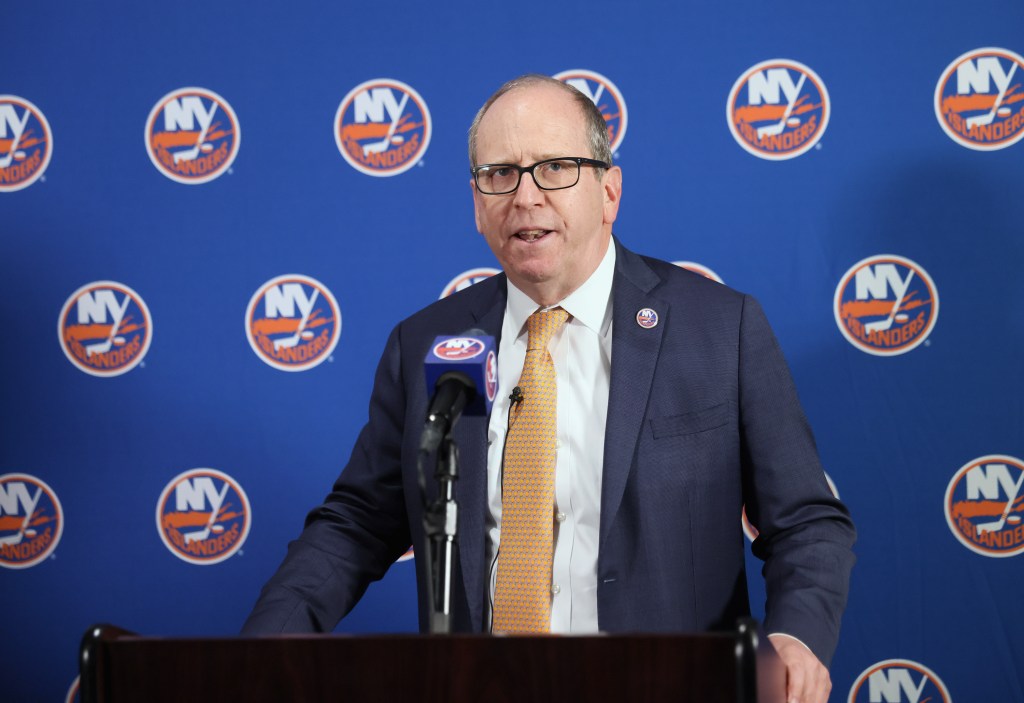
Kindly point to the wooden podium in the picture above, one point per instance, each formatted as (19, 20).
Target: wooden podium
(117, 665)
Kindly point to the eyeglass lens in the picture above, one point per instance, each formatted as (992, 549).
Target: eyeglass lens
(550, 175)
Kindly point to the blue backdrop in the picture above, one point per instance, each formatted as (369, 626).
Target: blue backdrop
(870, 172)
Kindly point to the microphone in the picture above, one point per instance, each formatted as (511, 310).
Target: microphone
(517, 396)
(463, 371)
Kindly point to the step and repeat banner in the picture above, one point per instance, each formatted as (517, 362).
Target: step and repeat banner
(192, 318)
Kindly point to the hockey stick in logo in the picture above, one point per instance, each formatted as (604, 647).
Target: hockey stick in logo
(190, 154)
(5, 161)
(289, 342)
(882, 325)
(380, 146)
(773, 130)
(987, 119)
(997, 525)
(29, 511)
(104, 347)
(202, 534)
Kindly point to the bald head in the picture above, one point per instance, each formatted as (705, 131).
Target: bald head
(594, 122)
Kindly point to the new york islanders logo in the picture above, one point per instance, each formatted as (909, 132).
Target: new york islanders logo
(886, 305)
(491, 375)
(898, 681)
(984, 505)
(293, 322)
(105, 328)
(203, 516)
(459, 349)
(26, 143)
(31, 521)
(978, 99)
(699, 269)
(382, 127)
(192, 135)
(778, 109)
(466, 279)
(603, 93)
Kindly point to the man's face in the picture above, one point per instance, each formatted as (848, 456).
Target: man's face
(547, 241)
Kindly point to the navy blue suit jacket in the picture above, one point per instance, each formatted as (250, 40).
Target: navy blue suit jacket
(702, 417)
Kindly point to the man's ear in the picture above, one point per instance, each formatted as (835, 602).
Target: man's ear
(476, 205)
(611, 183)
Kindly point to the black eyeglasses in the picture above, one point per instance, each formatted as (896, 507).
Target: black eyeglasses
(549, 174)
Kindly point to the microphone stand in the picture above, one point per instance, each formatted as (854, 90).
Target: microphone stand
(440, 521)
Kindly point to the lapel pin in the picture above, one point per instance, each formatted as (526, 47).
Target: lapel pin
(647, 318)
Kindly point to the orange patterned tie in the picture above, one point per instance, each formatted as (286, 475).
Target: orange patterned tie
(522, 596)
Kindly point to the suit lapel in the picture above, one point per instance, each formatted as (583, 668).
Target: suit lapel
(471, 487)
(635, 351)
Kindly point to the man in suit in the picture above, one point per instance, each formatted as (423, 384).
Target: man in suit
(674, 408)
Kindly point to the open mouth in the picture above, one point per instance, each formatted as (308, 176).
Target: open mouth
(532, 235)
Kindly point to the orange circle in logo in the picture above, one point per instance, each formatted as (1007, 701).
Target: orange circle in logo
(778, 118)
(203, 516)
(984, 505)
(382, 127)
(886, 305)
(198, 139)
(606, 96)
(908, 669)
(105, 336)
(293, 322)
(466, 279)
(25, 152)
(699, 269)
(982, 108)
(32, 521)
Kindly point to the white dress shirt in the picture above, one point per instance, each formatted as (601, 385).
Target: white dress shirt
(582, 354)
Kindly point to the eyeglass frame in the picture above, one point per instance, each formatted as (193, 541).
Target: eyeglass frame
(580, 162)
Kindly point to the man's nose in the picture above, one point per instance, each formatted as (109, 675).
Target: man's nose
(528, 194)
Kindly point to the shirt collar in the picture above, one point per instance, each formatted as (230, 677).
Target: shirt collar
(590, 304)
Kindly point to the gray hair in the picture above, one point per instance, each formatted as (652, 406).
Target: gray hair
(597, 128)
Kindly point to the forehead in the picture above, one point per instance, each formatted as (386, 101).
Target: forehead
(532, 123)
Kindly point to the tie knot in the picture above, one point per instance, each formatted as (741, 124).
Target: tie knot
(542, 325)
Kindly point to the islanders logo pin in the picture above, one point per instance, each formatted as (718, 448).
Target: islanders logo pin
(466, 279)
(603, 93)
(778, 109)
(898, 681)
(647, 318)
(31, 521)
(105, 328)
(26, 143)
(978, 100)
(203, 516)
(382, 127)
(984, 505)
(192, 135)
(293, 322)
(886, 305)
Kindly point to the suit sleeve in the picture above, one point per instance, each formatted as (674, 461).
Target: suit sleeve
(356, 534)
(805, 534)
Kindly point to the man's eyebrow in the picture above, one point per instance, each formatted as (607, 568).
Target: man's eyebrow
(543, 157)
